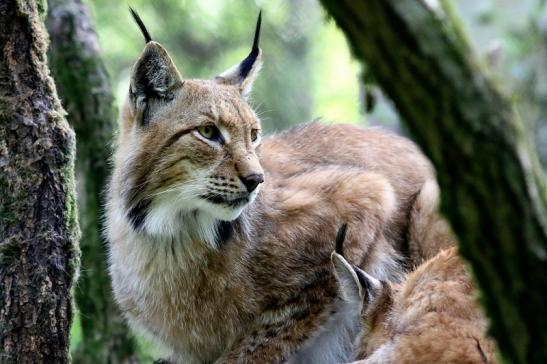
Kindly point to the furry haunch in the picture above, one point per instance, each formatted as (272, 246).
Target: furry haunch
(220, 240)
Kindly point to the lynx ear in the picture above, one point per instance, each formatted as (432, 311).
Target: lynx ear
(355, 285)
(154, 77)
(371, 287)
(349, 285)
(244, 73)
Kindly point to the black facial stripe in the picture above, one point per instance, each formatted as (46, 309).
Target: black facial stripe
(225, 231)
(138, 213)
(173, 138)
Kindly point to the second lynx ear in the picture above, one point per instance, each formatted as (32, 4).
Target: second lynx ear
(348, 282)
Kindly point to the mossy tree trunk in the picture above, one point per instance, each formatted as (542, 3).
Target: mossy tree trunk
(38, 224)
(492, 188)
(84, 87)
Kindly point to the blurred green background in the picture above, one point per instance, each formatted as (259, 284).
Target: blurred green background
(308, 71)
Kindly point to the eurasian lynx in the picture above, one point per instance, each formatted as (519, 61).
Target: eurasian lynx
(211, 268)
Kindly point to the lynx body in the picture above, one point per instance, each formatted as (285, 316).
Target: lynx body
(220, 242)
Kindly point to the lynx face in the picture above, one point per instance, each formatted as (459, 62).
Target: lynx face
(197, 143)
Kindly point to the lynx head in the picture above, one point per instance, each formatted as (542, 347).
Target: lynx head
(188, 147)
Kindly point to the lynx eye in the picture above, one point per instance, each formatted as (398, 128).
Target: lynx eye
(254, 135)
(210, 132)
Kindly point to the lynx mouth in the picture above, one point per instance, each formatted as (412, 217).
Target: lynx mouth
(220, 200)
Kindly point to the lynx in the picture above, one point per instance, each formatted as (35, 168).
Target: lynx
(220, 239)
(431, 317)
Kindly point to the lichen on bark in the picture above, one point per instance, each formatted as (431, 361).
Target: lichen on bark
(38, 216)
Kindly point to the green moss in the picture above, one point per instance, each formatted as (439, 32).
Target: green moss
(71, 215)
(10, 252)
(456, 29)
(42, 8)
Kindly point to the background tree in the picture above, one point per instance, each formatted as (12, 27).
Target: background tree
(38, 224)
(493, 190)
(84, 87)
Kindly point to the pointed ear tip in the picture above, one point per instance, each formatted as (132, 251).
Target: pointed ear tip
(154, 46)
(339, 262)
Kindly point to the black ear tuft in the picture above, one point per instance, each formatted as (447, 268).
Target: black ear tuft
(362, 279)
(370, 285)
(244, 73)
(141, 25)
(340, 237)
(247, 64)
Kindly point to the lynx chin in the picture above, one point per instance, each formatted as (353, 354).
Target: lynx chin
(220, 239)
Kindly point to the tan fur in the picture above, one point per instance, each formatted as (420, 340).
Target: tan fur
(428, 231)
(431, 317)
(257, 288)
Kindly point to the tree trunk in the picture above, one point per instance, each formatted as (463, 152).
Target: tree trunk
(38, 224)
(493, 191)
(84, 86)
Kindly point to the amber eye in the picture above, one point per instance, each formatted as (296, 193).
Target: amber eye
(254, 135)
(210, 132)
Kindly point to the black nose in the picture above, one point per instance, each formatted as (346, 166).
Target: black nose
(252, 180)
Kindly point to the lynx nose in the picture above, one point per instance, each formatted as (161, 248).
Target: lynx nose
(252, 181)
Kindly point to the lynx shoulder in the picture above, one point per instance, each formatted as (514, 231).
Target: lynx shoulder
(430, 317)
(220, 239)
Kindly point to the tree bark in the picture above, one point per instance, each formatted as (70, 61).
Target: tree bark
(84, 87)
(38, 224)
(493, 190)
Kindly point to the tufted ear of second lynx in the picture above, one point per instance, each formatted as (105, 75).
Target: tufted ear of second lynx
(433, 318)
